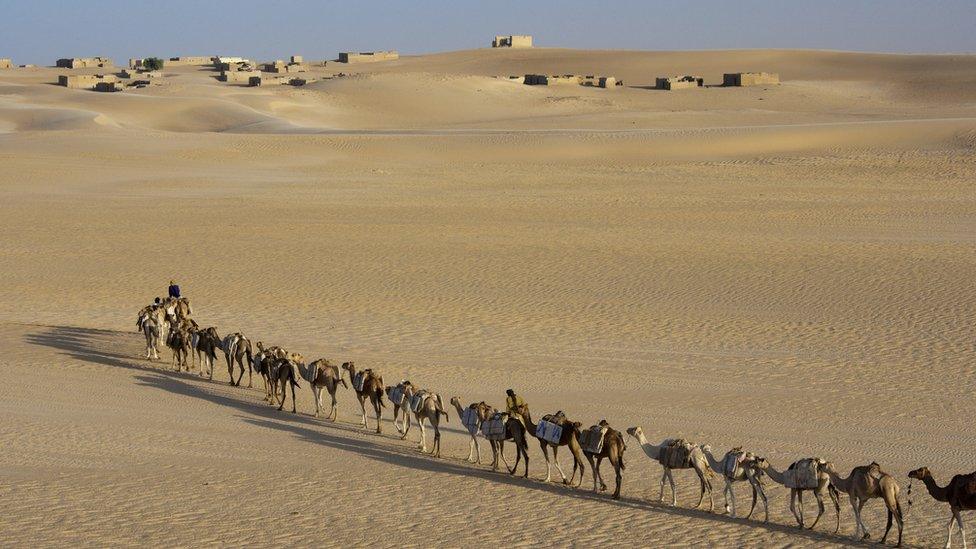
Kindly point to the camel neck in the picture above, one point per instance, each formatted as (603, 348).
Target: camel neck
(651, 450)
(713, 463)
(842, 484)
(937, 492)
(775, 475)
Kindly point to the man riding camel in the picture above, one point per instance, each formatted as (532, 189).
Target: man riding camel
(515, 405)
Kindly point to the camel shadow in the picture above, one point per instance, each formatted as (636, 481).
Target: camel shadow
(85, 344)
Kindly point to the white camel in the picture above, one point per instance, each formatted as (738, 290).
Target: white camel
(481, 412)
(695, 460)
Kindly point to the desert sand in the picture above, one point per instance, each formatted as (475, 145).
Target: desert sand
(789, 269)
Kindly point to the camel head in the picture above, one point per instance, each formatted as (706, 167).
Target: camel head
(920, 473)
(260, 346)
(826, 467)
(349, 366)
(456, 401)
(760, 464)
(635, 432)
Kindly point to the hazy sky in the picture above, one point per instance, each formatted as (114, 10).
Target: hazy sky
(40, 31)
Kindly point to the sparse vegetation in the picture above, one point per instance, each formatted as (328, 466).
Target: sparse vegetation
(152, 63)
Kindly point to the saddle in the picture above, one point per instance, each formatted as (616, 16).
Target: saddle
(418, 399)
(470, 416)
(550, 428)
(803, 474)
(494, 428)
(592, 439)
(732, 461)
(359, 380)
(677, 454)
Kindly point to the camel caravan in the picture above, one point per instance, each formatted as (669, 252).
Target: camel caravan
(168, 322)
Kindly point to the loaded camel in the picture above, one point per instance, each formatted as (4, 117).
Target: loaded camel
(236, 346)
(801, 476)
(322, 374)
(154, 326)
(737, 466)
(397, 395)
(179, 344)
(678, 454)
(428, 406)
(370, 387)
(863, 483)
(569, 437)
(611, 448)
(960, 494)
(206, 343)
(511, 429)
(481, 412)
(282, 374)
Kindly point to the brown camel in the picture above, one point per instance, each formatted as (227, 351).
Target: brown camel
(818, 483)
(282, 375)
(397, 395)
(612, 448)
(153, 324)
(960, 494)
(236, 346)
(738, 466)
(568, 437)
(694, 458)
(512, 429)
(864, 483)
(472, 422)
(369, 386)
(427, 406)
(323, 374)
(205, 343)
(179, 343)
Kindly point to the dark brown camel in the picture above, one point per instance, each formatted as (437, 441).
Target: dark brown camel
(516, 432)
(282, 375)
(371, 388)
(569, 437)
(236, 346)
(960, 494)
(613, 450)
(322, 374)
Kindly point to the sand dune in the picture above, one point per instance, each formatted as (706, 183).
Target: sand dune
(787, 269)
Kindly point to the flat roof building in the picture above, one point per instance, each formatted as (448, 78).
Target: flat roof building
(679, 82)
(750, 78)
(368, 56)
(512, 41)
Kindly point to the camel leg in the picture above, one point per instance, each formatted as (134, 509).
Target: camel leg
(437, 438)
(362, 404)
(335, 407)
(856, 508)
(952, 519)
(250, 375)
(379, 414)
(471, 444)
(603, 485)
(619, 477)
(664, 478)
(820, 508)
(864, 526)
(477, 447)
(674, 493)
(294, 406)
(545, 452)
(595, 468)
(555, 461)
(962, 529)
(701, 481)
(729, 494)
(835, 497)
(798, 515)
(423, 435)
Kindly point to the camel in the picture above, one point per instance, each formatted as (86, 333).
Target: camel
(397, 395)
(427, 406)
(960, 494)
(737, 466)
(371, 387)
(155, 327)
(262, 363)
(796, 494)
(236, 346)
(695, 460)
(322, 374)
(177, 309)
(481, 412)
(515, 431)
(283, 374)
(569, 437)
(612, 449)
(179, 343)
(864, 483)
(206, 343)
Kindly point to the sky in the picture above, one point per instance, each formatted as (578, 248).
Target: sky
(41, 31)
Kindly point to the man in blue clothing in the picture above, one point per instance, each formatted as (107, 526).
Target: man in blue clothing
(174, 290)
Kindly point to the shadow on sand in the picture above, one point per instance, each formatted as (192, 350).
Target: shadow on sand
(91, 345)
